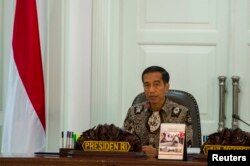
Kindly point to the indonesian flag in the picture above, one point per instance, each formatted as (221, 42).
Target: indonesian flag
(24, 122)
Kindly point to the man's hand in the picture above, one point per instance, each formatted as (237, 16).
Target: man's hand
(150, 151)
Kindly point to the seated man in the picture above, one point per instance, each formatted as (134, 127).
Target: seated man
(144, 119)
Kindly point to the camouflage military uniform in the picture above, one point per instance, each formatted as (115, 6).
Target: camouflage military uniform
(141, 121)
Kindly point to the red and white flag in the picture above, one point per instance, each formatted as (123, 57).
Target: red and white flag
(24, 121)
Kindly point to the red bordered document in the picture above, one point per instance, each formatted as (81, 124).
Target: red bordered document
(172, 141)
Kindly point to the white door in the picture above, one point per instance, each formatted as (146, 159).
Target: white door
(189, 38)
(195, 40)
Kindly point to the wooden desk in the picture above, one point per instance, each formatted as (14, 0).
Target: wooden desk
(15, 160)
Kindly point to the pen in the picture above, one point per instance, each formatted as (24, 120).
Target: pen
(70, 139)
(74, 140)
(62, 137)
(67, 140)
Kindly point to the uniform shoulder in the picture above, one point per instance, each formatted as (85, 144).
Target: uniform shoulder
(139, 107)
(175, 106)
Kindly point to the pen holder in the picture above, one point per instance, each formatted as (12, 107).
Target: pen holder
(63, 152)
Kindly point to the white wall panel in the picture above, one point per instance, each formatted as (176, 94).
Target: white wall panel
(238, 59)
(68, 68)
(177, 14)
(1, 71)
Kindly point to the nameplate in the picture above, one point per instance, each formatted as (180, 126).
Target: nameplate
(223, 147)
(111, 146)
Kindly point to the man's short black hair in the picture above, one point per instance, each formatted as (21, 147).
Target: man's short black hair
(164, 74)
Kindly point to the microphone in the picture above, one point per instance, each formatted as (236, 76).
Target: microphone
(238, 118)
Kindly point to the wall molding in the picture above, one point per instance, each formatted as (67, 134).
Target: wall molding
(106, 63)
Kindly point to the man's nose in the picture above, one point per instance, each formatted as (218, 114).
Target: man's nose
(151, 88)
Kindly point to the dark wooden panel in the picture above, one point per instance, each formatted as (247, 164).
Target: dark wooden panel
(92, 160)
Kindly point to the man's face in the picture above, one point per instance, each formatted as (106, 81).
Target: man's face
(155, 88)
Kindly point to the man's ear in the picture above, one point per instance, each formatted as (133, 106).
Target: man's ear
(167, 86)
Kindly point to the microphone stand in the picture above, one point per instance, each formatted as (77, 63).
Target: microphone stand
(238, 118)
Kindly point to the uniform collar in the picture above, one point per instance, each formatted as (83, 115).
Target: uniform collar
(164, 107)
